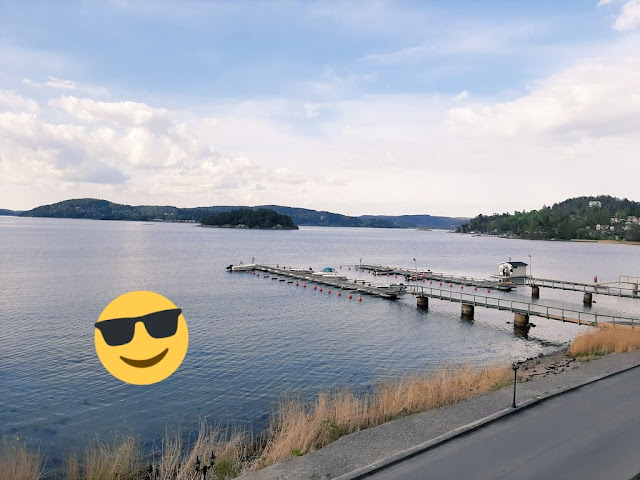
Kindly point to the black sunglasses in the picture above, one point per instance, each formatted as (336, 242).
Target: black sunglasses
(119, 331)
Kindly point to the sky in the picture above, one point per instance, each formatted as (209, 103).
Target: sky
(356, 107)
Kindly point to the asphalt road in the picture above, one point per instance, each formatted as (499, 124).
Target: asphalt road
(591, 432)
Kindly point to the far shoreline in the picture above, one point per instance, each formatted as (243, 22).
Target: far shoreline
(579, 240)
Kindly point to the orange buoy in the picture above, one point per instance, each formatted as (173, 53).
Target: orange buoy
(304, 286)
(258, 274)
(451, 285)
(329, 291)
(431, 282)
(339, 294)
(475, 288)
(320, 288)
(440, 283)
(423, 280)
(461, 286)
(359, 299)
(297, 283)
(350, 296)
(315, 287)
(395, 276)
(488, 291)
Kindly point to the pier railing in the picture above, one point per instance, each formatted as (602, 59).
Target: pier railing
(601, 289)
(544, 311)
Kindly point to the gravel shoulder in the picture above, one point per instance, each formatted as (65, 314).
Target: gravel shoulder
(539, 377)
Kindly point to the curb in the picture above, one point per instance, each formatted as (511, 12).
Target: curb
(372, 468)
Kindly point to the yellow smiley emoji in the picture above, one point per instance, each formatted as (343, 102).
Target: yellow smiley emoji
(141, 337)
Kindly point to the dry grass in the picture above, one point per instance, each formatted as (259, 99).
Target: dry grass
(298, 428)
(117, 460)
(17, 463)
(177, 461)
(602, 342)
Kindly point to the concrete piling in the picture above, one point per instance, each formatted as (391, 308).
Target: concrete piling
(520, 320)
(535, 291)
(588, 298)
(467, 310)
(423, 303)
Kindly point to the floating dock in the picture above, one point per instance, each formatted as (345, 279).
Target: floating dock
(349, 284)
(418, 275)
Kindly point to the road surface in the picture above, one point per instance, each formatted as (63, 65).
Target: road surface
(591, 432)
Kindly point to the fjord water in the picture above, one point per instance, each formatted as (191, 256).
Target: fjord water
(252, 340)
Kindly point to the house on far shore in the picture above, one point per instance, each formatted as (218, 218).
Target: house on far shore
(595, 203)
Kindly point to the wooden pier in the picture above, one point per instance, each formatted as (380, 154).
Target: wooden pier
(359, 286)
(601, 289)
(428, 275)
(523, 309)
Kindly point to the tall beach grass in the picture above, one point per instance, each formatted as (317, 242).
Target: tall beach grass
(18, 463)
(604, 341)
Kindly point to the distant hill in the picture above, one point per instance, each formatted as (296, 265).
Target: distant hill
(248, 218)
(4, 211)
(588, 218)
(104, 210)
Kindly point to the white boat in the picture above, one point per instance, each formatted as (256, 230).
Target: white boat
(329, 272)
(298, 269)
(241, 267)
(394, 288)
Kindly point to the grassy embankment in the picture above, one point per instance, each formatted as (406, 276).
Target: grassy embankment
(605, 341)
(297, 428)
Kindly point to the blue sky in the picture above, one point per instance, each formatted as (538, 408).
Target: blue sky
(356, 107)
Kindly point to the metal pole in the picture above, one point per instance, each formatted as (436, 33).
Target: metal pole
(530, 270)
(515, 367)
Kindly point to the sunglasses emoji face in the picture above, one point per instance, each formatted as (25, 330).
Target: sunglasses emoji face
(141, 337)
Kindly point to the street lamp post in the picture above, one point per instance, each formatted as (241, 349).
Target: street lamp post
(515, 367)
(530, 273)
(416, 265)
(360, 263)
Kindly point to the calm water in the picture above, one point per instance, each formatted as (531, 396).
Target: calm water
(251, 339)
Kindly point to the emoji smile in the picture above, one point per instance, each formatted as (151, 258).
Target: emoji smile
(149, 362)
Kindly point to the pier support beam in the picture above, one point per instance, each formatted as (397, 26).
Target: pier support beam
(588, 298)
(634, 289)
(423, 303)
(520, 320)
(467, 311)
(535, 291)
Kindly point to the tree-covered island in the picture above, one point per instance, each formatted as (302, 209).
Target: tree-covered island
(248, 218)
(582, 218)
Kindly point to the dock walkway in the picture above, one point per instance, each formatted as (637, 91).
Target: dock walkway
(349, 284)
(601, 289)
(438, 277)
(526, 308)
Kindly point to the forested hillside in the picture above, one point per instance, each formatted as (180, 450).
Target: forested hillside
(594, 218)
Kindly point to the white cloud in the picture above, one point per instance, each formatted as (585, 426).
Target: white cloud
(463, 95)
(629, 17)
(14, 102)
(594, 98)
(53, 82)
(123, 114)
